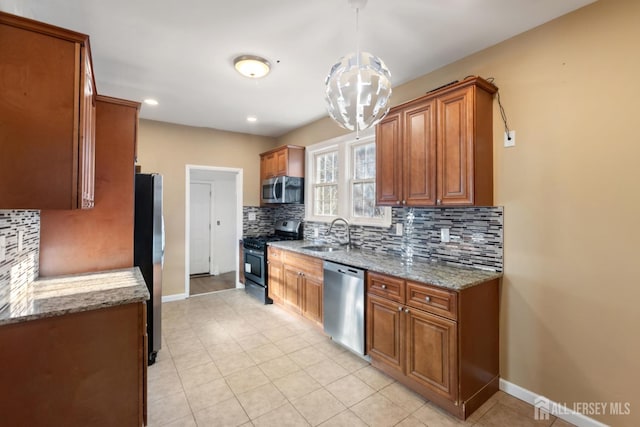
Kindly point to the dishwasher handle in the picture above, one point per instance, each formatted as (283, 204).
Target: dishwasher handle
(344, 269)
(347, 271)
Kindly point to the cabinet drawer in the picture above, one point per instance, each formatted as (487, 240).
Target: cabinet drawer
(274, 254)
(386, 286)
(432, 299)
(305, 264)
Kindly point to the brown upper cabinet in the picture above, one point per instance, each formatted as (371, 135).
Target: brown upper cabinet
(437, 150)
(47, 115)
(287, 160)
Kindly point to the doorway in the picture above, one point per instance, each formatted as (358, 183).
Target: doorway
(213, 229)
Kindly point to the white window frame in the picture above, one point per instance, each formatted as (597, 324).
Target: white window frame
(343, 145)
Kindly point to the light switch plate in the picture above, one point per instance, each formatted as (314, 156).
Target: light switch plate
(399, 229)
(252, 216)
(3, 248)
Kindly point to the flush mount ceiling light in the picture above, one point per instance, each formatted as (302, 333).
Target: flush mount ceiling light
(358, 87)
(150, 101)
(252, 66)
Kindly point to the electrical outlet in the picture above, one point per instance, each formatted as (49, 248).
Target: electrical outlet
(316, 232)
(252, 216)
(399, 229)
(510, 139)
(3, 248)
(444, 235)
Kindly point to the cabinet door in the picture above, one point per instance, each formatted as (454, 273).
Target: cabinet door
(281, 162)
(455, 166)
(431, 357)
(312, 298)
(268, 165)
(384, 331)
(420, 155)
(291, 292)
(389, 160)
(275, 272)
(40, 106)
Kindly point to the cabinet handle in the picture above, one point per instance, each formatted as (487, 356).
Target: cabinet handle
(383, 286)
(406, 310)
(427, 299)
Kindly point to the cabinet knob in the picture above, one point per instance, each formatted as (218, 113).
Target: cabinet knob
(397, 202)
(383, 286)
(406, 310)
(404, 202)
(427, 299)
(438, 202)
(399, 308)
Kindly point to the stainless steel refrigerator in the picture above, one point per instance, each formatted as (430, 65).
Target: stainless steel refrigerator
(148, 249)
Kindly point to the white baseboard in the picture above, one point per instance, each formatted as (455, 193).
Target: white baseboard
(174, 297)
(557, 409)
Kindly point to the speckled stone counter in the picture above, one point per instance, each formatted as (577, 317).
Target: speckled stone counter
(455, 278)
(56, 296)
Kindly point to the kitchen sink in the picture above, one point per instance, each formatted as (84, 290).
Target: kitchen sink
(322, 248)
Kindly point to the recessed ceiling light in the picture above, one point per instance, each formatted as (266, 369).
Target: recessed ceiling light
(150, 101)
(252, 119)
(251, 66)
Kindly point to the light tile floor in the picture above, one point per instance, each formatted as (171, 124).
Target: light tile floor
(227, 360)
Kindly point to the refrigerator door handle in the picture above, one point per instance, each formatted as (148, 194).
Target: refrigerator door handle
(162, 240)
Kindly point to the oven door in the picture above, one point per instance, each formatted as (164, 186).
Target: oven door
(254, 266)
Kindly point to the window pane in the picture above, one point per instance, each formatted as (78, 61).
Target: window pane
(364, 161)
(363, 198)
(326, 167)
(325, 200)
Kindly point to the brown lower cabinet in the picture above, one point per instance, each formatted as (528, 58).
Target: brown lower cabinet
(78, 369)
(295, 281)
(442, 344)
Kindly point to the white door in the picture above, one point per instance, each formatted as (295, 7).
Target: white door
(224, 226)
(200, 223)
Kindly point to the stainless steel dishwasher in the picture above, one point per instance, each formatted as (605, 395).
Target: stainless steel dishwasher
(343, 305)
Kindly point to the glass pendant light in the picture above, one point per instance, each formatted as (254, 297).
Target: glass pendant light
(358, 87)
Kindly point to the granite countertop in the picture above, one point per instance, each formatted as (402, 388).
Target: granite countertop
(56, 296)
(435, 273)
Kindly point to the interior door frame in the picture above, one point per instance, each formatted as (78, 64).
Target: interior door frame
(239, 198)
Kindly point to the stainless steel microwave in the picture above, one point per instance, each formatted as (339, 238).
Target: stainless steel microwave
(282, 189)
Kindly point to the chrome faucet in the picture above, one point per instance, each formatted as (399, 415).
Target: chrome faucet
(346, 223)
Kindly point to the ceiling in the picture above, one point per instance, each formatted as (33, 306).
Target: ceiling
(181, 52)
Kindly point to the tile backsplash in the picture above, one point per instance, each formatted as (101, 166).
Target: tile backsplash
(476, 233)
(266, 218)
(20, 266)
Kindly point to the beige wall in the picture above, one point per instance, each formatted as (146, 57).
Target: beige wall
(570, 304)
(167, 149)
